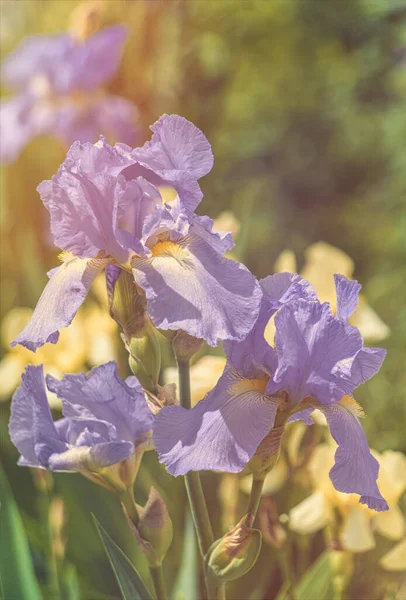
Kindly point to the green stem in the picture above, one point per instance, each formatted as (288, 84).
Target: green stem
(194, 489)
(255, 499)
(159, 582)
(127, 498)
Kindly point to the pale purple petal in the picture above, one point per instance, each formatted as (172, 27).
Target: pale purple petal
(104, 396)
(16, 126)
(221, 432)
(31, 426)
(92, 458)
(191, 287)
(59, 302)
(367, 364)
(302, 415)
(315, 353)
(355, 470)
(347, 291)
(178, 155)
(254, 352)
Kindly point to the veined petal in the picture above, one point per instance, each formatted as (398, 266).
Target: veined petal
(221, 432)
(32, 429)
(104, 396)
(315, 353)
(59, 302)
(366, 364)
(355, 469)
(347, 291)
(191, 287)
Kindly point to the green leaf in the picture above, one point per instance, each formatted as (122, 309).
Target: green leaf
(317, 581)
(131, 584)
(16, 570)
(187, 582)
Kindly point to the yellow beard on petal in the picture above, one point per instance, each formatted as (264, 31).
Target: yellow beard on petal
(249, 385)
(169, 248)
(352, 406)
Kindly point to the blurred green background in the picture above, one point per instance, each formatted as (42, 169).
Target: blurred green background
(303, 102)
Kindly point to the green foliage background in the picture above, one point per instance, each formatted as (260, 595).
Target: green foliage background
(304, 104)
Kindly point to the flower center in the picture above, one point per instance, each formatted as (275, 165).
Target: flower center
(168, 248)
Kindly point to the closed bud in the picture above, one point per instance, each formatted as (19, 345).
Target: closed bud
(267, 454)
(121, 476)
(234, 554)
(154, 530)
(185, 345)
(128, 307)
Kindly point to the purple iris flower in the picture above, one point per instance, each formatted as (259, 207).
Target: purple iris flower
(317, 361)
(58, 82)
(103, 218)
(106, 420)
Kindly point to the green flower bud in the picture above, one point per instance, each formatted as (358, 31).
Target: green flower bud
(154, 530)
(267, 454)
(184, 345)
(234, 554)
(128, 307)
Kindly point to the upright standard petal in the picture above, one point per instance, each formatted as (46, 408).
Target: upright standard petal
(347, 291)
(59, 302)
(178, 154)
(367, 364)
(104, 396)
(315, 353)
(31, 427)
(355, 470)
(191, 287)
(221, 432)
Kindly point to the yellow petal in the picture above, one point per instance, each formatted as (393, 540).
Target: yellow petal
(311, 515)
(395, 559)
(319, 467)
(204, 375)
(322, 261)
(11, 368)
(227, 221)
(391, 523)
(369, 323)
(356, 533)
(13, 323)
(392, 474)
(295, 432)
(286, 262)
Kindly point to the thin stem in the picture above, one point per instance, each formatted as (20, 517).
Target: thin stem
(127, 499)
(194, 488)
(255, 499)
(159, 582)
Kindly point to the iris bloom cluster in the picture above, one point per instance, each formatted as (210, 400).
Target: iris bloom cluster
(58, 82)
(317, 360)
(107, 214)
(104, 430)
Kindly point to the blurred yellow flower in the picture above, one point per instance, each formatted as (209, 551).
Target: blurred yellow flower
(395, 559)
(358, 521)
(322, 261)
(204, 375)
(91, 339)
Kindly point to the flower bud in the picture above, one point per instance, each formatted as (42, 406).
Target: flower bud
(128, 307)
(118, 477)
(267, 454)
(185, 345)
(154, 530)
(234, 554)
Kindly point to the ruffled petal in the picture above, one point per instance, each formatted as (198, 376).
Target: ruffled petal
(178, 154)
(191, 287)
(355, 470)
(31, 427)
(347, 291)
(315, 353)
(59, 302)
(103, 395)
(221, 432)
(367, 364)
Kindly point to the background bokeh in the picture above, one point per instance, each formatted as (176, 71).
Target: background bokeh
(303, 102)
